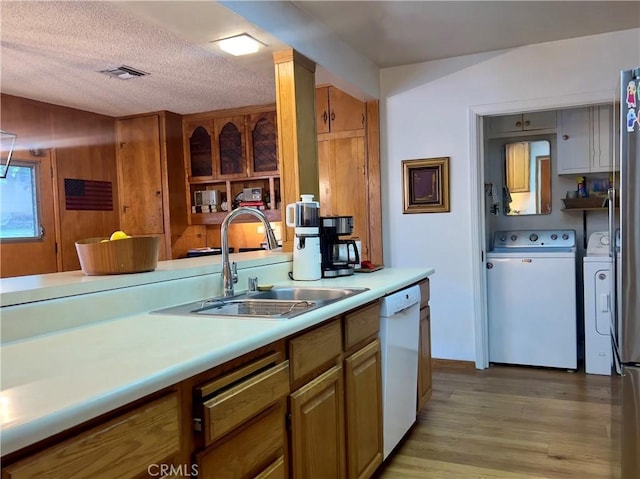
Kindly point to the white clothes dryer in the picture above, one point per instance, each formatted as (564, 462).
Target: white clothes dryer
(598, 305)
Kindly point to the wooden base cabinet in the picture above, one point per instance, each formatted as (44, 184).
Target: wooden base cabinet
(424, 348)
(317, 428)
(255, 450)
(124, 447)
(363, 399)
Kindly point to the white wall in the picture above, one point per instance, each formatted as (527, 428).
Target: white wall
(425, 112)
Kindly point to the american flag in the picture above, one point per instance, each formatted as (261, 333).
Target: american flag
(88, 195)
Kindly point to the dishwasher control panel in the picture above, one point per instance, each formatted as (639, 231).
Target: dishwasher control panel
(400, 300)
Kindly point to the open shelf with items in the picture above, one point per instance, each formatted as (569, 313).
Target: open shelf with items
(231, 196)
(232, 151)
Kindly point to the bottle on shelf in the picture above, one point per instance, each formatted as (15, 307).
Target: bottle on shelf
(582, 190)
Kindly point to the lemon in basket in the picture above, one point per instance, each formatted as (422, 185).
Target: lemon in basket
(118, 235)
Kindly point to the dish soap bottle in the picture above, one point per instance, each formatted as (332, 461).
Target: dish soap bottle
(582, 190)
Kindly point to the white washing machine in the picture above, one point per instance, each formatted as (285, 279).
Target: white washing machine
(531, 290)
(598, 305)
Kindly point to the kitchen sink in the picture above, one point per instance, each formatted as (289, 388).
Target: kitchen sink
(276, 303)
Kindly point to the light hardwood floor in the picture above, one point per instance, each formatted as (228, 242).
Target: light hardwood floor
(509, 422)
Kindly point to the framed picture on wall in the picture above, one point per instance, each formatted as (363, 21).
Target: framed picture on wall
(425, 185)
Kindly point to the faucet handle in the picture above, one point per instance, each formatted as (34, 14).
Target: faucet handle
(253, 284)
(234, 272)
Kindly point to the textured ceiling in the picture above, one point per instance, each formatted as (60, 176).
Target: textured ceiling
(52, 51)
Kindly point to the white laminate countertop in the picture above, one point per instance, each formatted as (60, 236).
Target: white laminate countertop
(56, 381)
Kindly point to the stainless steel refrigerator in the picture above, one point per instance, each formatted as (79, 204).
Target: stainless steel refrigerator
(626, 254)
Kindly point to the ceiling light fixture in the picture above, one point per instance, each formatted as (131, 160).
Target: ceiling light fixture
(237, 45)
(123, 72)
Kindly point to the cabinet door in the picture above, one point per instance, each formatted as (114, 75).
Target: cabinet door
(322, 110)
(517, 167)
(601, 134)
(230, 153)
(198, 149)
(574, 148)
(363, 393)
(539, 120)
(317, 428)
(424, 358)
(345, 112)
(140, 175)
(338, 111)
(262, 134)
(504, 124)
(343, 184)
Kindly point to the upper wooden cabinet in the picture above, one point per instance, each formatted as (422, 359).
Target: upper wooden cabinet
(229, 151)
(150, 173)
(511, 125)
(338, 111)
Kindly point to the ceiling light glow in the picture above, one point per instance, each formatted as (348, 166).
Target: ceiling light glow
(239, 45)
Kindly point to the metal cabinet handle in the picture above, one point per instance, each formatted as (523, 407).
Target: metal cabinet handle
(363, 119)
(518, 123)
(333, 116)
(527, 123)
(565, 137)
(324, 116)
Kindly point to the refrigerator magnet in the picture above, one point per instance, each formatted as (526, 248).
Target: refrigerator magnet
(632, 119)
(631, 94)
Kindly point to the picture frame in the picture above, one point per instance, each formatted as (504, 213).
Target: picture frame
(425, 185)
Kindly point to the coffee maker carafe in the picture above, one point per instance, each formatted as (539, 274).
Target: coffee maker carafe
(304, 217)
(339, 256)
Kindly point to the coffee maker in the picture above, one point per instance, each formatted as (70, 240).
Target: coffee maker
(304, 217)
(339, 256)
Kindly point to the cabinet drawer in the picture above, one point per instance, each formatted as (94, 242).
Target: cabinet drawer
(361, 325)
(274, 471)
(424, 293)
(123, 447)
(312, 351)
(246, 398)
(249, 451)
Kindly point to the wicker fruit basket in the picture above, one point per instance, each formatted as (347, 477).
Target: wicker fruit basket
(135, 254)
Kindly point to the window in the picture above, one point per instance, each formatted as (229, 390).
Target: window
(19, 194)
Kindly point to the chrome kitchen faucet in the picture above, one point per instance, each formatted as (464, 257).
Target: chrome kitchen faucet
(230, 271)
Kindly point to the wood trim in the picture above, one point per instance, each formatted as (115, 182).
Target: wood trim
(56, 208)
(229, 112)
(452, 363)
(297, 143)
(374, 182)
(336, 135)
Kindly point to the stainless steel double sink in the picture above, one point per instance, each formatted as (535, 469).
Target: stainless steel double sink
(276, 303)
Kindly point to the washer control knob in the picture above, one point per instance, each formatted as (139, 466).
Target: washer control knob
(604, 239)
(533, 237)
(514, 237)
(503, 238)
(565, 236)
(554, 236)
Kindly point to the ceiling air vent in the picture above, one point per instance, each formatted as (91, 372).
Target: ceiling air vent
(124, 72)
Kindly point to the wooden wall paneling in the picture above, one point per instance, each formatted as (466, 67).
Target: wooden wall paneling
(33, 257)
(174, 179)
(374, 182)
(297, 143)
(82, 146)
(84, 150)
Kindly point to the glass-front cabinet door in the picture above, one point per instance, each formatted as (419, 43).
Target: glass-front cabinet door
(231, 147)
(263, 143)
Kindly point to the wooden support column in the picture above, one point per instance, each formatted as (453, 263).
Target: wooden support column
(297, 142)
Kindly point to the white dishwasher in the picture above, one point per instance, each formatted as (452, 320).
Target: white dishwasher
(399, 332)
